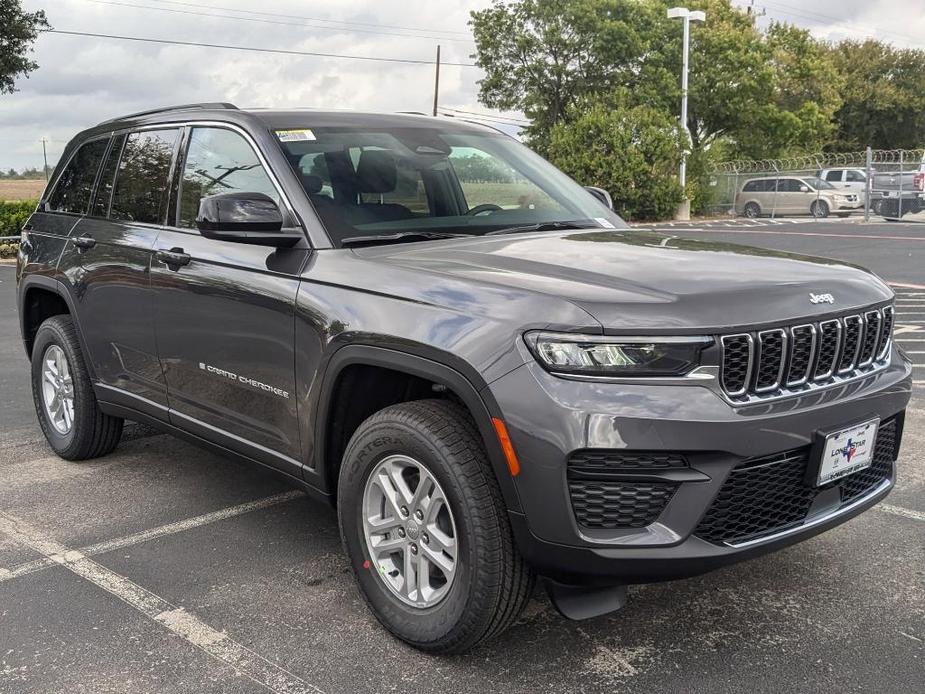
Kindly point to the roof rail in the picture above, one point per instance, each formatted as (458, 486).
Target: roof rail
(208, 106)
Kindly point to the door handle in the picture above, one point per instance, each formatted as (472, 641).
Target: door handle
(175, 258)
(84, 242)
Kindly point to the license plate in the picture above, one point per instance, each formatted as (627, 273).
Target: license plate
(847, 451)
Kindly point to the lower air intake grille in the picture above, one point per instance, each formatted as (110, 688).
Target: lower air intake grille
(763, 496)
(614, 461)
(618, 504)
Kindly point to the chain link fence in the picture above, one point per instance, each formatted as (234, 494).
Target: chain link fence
(875, 184)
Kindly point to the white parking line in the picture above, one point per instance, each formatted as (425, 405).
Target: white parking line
(154, 533)
(189, 627)
(904, 512)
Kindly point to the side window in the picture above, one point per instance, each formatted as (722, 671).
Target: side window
(834, 175)
(855, 177)
(140, 193)
(219, 161)
(750, 187)
(107, 177)
(75, 185)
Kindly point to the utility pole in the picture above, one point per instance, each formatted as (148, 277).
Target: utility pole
(437, 80)
(45, 158)
(687, 16)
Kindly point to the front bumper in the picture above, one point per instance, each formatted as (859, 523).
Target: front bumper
(549, 418)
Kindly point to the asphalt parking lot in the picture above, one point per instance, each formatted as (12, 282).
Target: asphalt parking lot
(163, 568)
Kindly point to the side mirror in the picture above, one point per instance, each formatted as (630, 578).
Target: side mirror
(252, 218)
(601, 195)
(804, 189)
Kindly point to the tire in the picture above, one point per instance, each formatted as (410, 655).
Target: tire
(752, 210)
(87, 432)
(490, 582)
(819, 209)
(876, 206)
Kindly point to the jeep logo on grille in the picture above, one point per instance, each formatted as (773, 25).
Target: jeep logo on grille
(821, 298)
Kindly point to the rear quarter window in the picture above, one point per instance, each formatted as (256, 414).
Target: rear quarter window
(75, 184)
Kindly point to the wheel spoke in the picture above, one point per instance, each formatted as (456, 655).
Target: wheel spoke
(423, 576)
(404, 494)
(440, 560)
(388, 546)
(441, 542)
(422, 492)
(410, 575)
(384, 482)
(434, 503)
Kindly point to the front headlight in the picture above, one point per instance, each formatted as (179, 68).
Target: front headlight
(598, 355)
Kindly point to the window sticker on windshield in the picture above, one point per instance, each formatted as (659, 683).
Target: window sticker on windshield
(301, 135)
(604, 223)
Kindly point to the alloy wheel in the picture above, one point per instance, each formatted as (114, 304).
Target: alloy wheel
(57, 389)
(410, 531)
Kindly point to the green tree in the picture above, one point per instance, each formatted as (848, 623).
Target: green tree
(18, 31)
(884, 96)
(543, 56)
(633, 153)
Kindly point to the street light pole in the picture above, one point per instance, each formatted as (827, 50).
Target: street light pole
(687, 17)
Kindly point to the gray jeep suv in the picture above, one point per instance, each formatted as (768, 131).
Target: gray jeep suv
(471, 355)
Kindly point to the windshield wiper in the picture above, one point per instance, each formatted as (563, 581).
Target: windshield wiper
(541, 226)
(399, 237)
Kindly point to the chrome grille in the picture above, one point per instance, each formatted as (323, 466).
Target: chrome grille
(883, 344)
(802, 350)
(770, 363)
(771, 358)
(829, 344)
(872, 321)
(851, 344)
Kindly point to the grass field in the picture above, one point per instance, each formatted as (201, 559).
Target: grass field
(21, 190)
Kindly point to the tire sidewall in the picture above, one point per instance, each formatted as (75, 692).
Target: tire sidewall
(365, 452)
(50, 333)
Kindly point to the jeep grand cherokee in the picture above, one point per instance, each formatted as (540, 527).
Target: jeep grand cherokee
(471, 355)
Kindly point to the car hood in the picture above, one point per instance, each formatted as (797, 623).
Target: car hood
(638, 280)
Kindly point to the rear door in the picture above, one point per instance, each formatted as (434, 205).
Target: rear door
(225, 316)
(107, 265)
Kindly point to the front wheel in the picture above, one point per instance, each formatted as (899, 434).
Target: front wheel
(752, 210)
(426, 530)
(819, 209)
(66, 406)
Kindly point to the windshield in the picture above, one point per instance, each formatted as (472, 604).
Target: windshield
(818, 184)
(427, 182)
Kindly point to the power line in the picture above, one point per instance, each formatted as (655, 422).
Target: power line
(281, 51)
(819, 18)
(274, 21)
(488, 116)
(315, 19)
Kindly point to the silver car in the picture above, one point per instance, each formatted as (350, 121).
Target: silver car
(792, 195)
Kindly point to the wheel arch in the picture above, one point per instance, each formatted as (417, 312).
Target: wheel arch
(41, 297)
(467, 386)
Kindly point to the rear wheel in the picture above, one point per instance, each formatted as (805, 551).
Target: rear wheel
(819, 209)
(752, 210)
(426, 530)
(66, 406)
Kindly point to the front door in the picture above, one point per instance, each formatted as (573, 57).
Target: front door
(225, 312)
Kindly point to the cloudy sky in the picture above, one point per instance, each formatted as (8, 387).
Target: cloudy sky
(83, 80)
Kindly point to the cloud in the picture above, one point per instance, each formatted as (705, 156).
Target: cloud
(82, 81)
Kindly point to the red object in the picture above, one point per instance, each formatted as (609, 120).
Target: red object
(366, 564)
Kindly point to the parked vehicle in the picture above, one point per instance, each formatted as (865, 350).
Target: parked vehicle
(490, 381)
(853, 180)
(792, 195)
(895, 194)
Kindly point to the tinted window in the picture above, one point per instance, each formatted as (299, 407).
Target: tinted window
(855, 177)
(750, 187)
(834, 175)
(73, 189)
(104, 188)
(790, 185)
(140, 194)
(219, 161)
